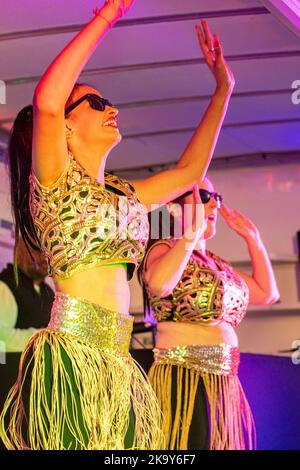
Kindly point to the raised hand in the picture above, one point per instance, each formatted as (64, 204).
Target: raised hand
(239, 223)
(127, 5)
(198, 220)
(123, 6)
(213, 55)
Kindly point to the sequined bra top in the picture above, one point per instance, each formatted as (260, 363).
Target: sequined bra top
(203, 294)
(82, 224)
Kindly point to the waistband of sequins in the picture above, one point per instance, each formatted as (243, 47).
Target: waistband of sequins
(91, 323)
(220, 359)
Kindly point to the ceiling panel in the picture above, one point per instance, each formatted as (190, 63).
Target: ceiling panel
(160, 42)
(181, 115)
(150, 67)
(166, 149)
(174, 83)
(31, 14)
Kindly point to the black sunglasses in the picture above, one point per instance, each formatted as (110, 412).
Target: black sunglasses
(95, 102)
(205, 196)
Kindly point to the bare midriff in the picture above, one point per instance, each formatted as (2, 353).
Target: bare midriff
(104, 285)
(171, 334)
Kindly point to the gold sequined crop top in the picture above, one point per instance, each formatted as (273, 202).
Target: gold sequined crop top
(82, 224)
(203, 294)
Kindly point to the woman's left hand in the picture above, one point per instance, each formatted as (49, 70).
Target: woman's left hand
(239, 223)
(215, 59)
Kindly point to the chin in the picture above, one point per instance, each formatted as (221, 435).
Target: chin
(117, 137)
(113, 141)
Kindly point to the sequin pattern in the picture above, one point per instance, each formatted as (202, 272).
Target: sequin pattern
(89, 322)
(204, 294)
(80, 223)
(220, 359)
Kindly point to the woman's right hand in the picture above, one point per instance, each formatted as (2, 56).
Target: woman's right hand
(127, 5)
(120, 5)
(213, 55)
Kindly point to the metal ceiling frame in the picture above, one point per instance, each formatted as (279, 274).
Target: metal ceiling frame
(162, 64)
(285, 12)
(4, 134)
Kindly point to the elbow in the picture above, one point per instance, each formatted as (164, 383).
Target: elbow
(272, 298)
(158, 289)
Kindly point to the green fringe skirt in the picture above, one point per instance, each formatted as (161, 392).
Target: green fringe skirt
(79, 388)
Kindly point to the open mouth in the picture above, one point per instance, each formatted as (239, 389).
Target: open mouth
(111, 123)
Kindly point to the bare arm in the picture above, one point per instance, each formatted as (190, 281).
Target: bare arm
(164, 265)
(57, 82)
(193, 163)
(262, 283)
(49, 147)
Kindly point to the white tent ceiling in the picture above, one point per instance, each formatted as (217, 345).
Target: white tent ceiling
(150, 65)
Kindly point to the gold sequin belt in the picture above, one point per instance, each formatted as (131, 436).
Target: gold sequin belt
(91, 323)
(220, 359)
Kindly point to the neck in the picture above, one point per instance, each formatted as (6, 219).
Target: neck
(93, 159)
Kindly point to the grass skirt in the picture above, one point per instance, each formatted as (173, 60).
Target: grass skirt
(79, 388)
(188, 378)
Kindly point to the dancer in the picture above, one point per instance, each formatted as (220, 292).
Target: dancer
(86, 392)
(198, 299)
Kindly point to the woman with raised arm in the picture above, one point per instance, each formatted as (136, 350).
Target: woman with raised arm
(86, 392)
(198, 299)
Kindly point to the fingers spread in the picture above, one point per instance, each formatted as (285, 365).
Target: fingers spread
(207, 34)
(217, 46)
(200, 34)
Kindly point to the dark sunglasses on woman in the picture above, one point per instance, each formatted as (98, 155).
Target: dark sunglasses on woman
(95, 102)
(205, 196)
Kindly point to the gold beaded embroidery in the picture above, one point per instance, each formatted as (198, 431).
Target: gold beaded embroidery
(220, 359)
(81, 224)
(203, 294)
(91, 323)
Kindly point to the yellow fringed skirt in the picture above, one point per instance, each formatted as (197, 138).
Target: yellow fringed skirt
(201, 397)
(79, 388)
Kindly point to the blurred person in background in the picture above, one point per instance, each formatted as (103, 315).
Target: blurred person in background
(24, 309)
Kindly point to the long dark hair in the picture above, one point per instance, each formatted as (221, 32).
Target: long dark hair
(19, 167)
(148, 315)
